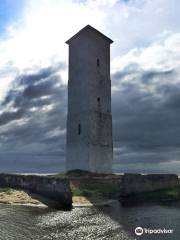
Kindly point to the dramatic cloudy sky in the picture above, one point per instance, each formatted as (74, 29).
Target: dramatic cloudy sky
(145, 73)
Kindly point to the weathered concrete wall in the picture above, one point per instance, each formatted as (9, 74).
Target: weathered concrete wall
(89, 104)
(134, 183)
(105, 185)
(56, 189)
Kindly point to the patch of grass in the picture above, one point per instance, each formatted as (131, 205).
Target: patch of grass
(108, 187)
(60, 175)
(85, 188)
(85, 174)
(6, 190)
(78, 173)
(73, 173)
(76, 191)
(159, 195)
(82, 173)
(88, 184)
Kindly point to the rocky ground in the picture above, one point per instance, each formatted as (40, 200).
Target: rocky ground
(11, 196)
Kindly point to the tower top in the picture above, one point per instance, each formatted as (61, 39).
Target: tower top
(89, 28)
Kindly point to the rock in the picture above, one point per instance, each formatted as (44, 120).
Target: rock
(55, 190)
(136, 183)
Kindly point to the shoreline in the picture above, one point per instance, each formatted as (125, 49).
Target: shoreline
(24, 204)
(11, 196)
(90, 189)
(75, 205)
(21, 198)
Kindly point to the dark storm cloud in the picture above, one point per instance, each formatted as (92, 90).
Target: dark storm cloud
(41, 89)
(38, 101)
(36, 77)
(34, 85)
(149, 76)
(132, 68)
(145, 107)
(146, 115)
(10, 116)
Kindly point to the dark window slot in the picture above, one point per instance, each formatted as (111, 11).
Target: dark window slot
(79, 129)
(98, 62)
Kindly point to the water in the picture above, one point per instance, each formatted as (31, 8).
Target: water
(53, 163)
(111, 223)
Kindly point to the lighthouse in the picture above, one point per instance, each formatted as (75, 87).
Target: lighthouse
(89, 143)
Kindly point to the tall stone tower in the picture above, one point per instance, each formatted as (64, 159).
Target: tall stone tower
(89, 120)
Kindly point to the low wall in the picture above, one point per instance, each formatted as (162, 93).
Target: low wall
(55, 189)
(134, 183)
(105, 186)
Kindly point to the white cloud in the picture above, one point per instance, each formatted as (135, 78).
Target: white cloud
(38, 38)
(161, 55)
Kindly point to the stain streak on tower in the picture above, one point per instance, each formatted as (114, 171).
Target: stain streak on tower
(89, 120)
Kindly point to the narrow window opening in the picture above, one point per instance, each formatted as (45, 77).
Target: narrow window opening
(98, 99)
(79, 129)
(98, 62)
